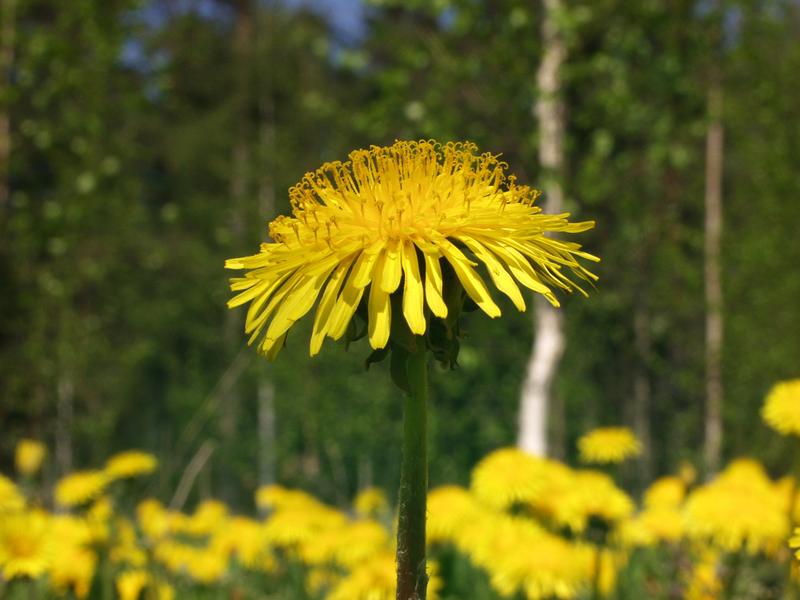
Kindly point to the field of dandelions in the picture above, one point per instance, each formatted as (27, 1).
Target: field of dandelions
(525, 528)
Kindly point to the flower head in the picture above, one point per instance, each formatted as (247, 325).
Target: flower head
(794, 542)
(130, 464)
(741, 508)
(608, 445)
(419, 214)
(781, 410)
(80, 487)
(26, 545)
(11, 499)
(28, 456)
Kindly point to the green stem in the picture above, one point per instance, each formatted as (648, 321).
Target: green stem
(412, 579)
(598, 564)
(736, 568)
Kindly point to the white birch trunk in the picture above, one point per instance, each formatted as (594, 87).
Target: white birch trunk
(549, 340)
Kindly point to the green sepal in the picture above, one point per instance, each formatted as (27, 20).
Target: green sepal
(376, 356)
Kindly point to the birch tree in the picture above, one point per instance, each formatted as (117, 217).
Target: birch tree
(548, 346)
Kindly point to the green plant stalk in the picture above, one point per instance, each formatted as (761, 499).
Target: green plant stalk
(598, 564)
(412, 579)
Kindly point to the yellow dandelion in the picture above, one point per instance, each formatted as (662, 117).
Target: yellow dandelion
(450, 508)
(209, 516)
(591, 495)
(653, 525)
(390, 215)
(794, 542)
(704, 582)
(26, 545)
(667, 492)
(245, 538)
(131, 584)
(155, 520)
(509, 476)
(741, 508)
(370, 501)
(781, 409)
(73, 570)
(130, 464)
(11, 499)
(80, 487)
(205, 565)
(374, 579)
(608, 445)
(28, 456)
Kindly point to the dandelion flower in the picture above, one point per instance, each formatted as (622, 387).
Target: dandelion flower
(510, 476)
(741, 508)
(370, 501)
(667, 492)
(26, 545)
(374, 579)
(28, 456)
(73, 570)
(417, 213)
(11, 499)
(794, 542)
(80, 487)
(608, 445)
(781, 409)
(130, 464)
(130, 584)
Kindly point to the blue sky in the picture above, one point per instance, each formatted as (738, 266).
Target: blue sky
(347, 16)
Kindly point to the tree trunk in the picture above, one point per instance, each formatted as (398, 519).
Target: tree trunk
(548, 346)
(713, 277)
(7, 36)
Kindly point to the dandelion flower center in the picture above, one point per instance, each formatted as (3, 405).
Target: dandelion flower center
(409, 213)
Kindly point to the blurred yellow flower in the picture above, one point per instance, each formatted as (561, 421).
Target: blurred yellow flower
(607, 445)
(155, 520)
(794, 542)
(741, 508)
(704, 582)
(28, 456)
(11, 499)
(126, 549)
(590, 495)
(73, 570)
(130, 584)
(130, 464)
(781, 409)
(209, 516)
(206, 566)
(26, 545)
(667, 492)
(449, 509)
(80, 487)
(509, 476)
(246, 539)
(653, 525)
(374, 579)
(391, 214)
(370, 501)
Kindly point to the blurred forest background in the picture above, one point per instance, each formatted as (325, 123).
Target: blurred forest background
(143, 142)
